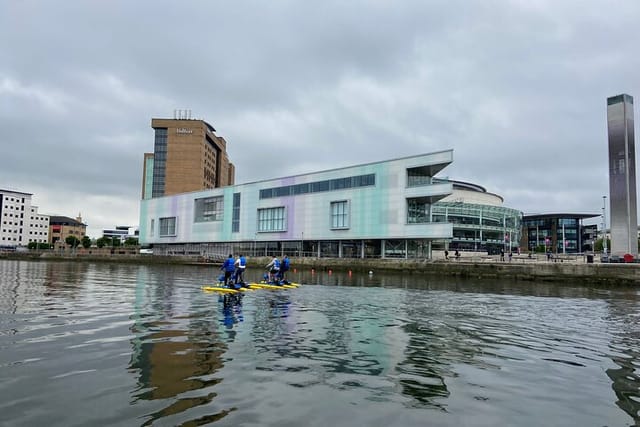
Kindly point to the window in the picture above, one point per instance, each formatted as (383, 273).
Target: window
(209, 209)
(235, 217)
(340, 214)
(418, 211)
(319, 186)
(271, 219)
(167, 226)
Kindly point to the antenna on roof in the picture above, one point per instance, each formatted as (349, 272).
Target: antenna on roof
(182, 114)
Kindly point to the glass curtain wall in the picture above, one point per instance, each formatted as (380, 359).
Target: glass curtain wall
(480, 227)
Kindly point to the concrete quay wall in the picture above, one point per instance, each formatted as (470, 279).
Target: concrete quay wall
(595, 274)
(560, 270)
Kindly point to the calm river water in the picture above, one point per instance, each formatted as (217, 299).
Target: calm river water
(126, 345)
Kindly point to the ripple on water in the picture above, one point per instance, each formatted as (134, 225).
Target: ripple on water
(146, 343)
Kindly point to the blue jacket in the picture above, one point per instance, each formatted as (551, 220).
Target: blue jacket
(228, 265)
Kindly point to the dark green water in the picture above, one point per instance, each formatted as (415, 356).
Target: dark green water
(125, 345)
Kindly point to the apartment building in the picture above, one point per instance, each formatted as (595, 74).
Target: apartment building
(20, 222)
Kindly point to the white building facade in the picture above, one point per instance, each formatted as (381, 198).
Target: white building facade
(381, 209)
(19, 220)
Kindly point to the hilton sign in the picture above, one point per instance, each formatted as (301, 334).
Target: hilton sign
(184, 131)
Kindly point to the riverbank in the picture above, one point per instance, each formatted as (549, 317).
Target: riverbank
(574, 270)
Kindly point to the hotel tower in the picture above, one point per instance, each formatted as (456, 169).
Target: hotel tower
(188, 156)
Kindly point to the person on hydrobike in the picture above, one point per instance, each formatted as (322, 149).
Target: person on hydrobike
(284, 267)
(228, 267)
(274, 268)
(240, 265)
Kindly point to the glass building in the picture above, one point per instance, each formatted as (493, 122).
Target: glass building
(480, 222)
(557, 232)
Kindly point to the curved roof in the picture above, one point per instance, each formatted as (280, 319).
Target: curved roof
(461, 185)
(468, 186)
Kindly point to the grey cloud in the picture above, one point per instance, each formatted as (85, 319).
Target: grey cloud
(518, 90)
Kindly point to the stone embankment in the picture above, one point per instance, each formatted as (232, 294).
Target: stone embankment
(574, 270)
(591, 274)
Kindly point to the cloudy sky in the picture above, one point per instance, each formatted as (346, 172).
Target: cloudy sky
(517, 88)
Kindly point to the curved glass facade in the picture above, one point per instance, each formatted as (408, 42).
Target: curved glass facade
(480, 227)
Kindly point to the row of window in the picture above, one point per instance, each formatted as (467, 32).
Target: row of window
(159, 162)
(319, 186)
(7, 199)
(269, 219)
(32, 225)
(549, 221)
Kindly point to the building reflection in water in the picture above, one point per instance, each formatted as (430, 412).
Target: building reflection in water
(175, 354)
(625, 348)
(337, 343)
(29, 287)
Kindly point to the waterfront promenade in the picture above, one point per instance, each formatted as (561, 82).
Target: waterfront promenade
(561, 268)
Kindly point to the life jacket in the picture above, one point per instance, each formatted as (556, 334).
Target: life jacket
(276, 264)
(228, 265)
(285, 264)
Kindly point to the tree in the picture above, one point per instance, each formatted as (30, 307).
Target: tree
(32, 245)
(86, 242)
(103, 241)
(72, 241)
(599, 246)
(131, 241)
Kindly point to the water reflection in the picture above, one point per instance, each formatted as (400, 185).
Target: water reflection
(177, 350)
(334, 342)
(147, 343)
(231, 311)
(625, 348)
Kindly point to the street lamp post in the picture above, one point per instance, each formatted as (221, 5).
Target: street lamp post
(475, 240)
(604, 225)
